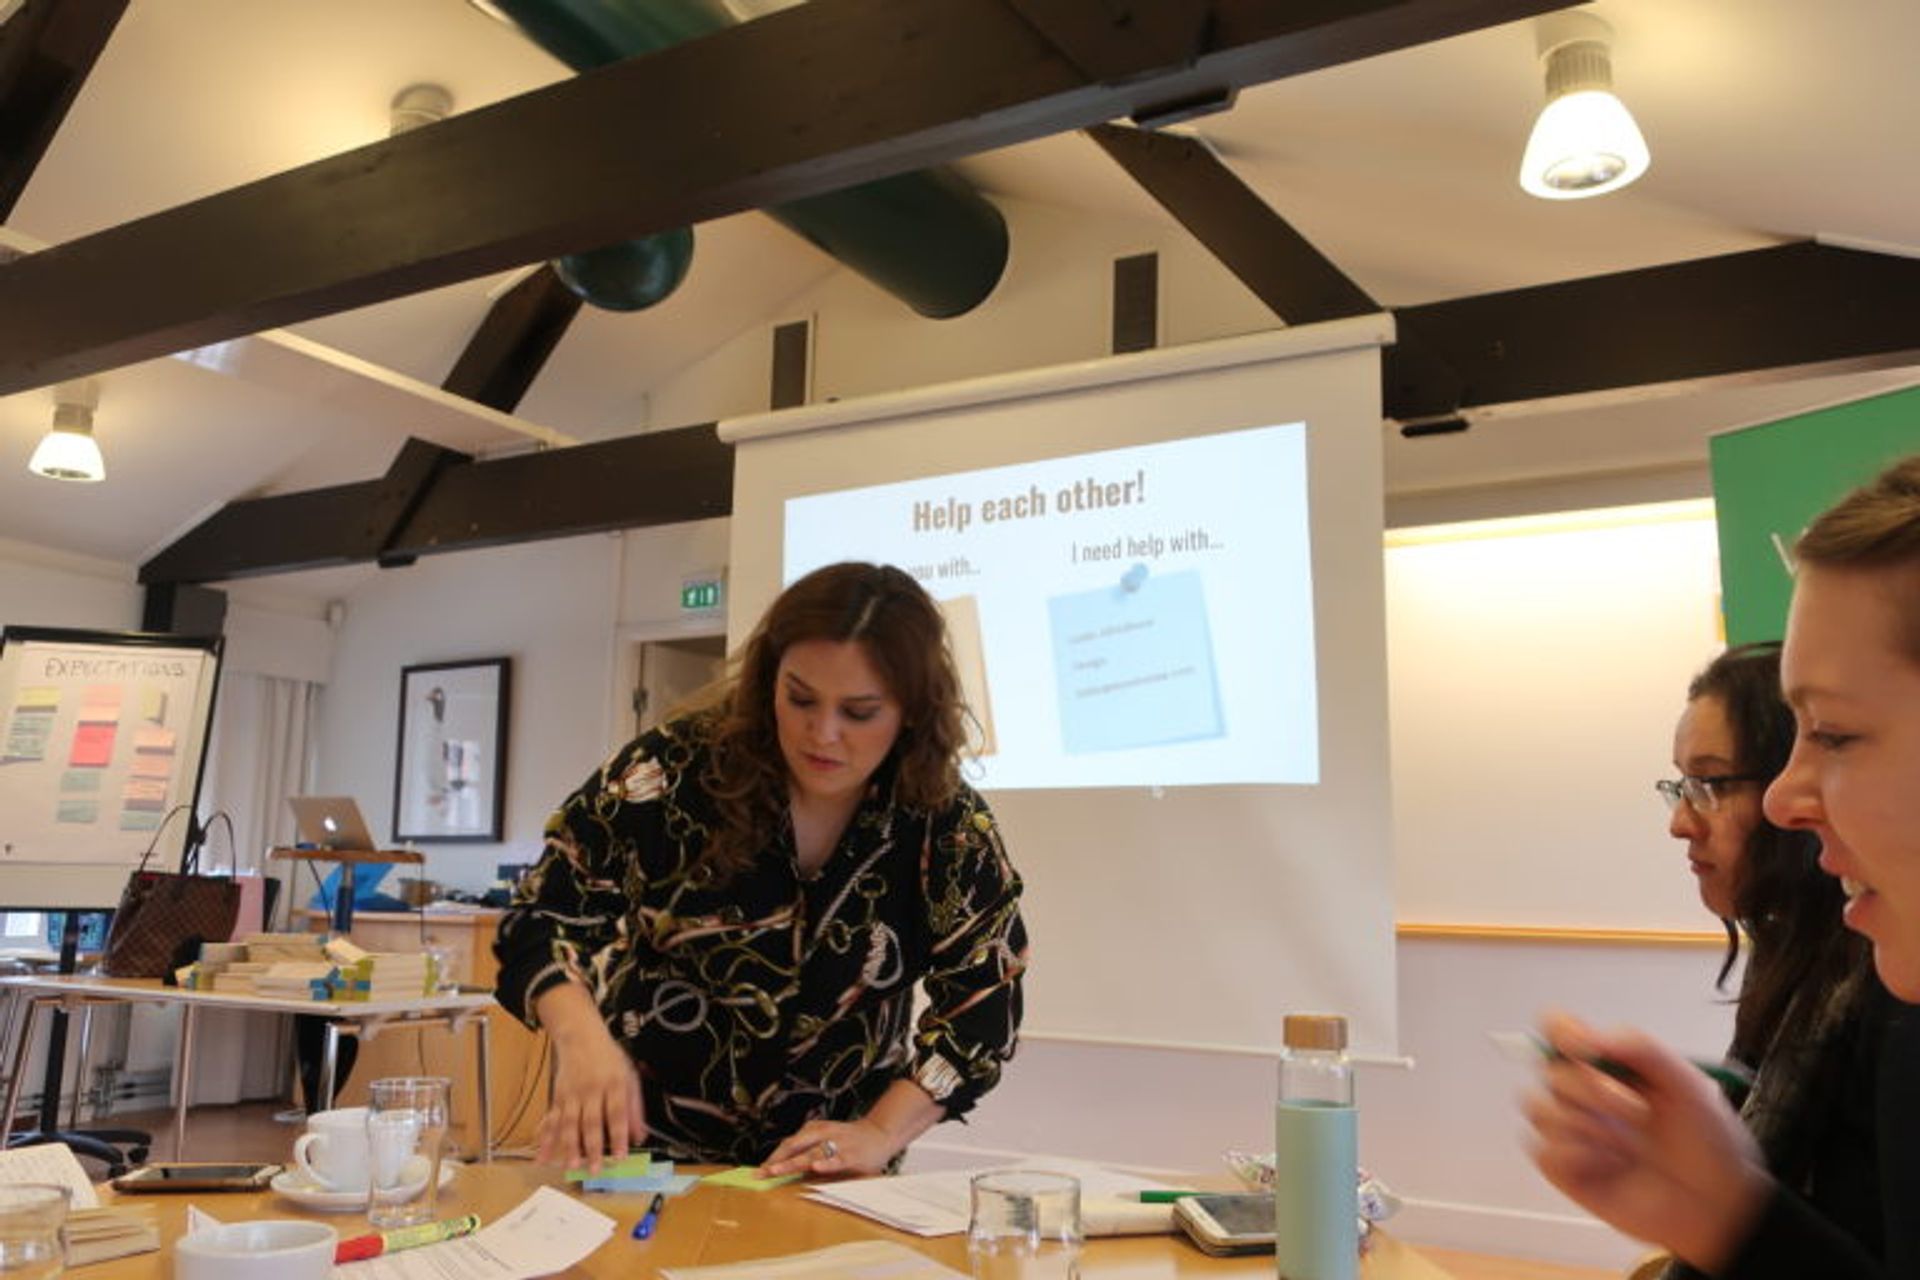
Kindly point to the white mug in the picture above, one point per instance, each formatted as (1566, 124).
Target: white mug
(333, 1150)
(272, 1249)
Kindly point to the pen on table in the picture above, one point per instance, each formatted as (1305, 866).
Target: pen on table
(1527, 1044)
(1163, 1195)
(383, 1242)
(644, 1228)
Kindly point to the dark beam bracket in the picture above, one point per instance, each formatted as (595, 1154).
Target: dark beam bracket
(511, 346)
(1250, 239)
(47, 50)
(959, 77)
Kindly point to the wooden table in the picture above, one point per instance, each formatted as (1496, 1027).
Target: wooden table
(363, 1018)
(719, 1224)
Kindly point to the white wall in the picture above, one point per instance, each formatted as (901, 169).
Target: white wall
(42, 588)
(565, 611)
(548, 606)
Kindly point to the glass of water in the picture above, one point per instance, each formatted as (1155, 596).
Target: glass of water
(1025, 1225)
(406, 1133)
(33, 1220)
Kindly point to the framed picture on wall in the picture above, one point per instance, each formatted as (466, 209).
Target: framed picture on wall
(450, 777)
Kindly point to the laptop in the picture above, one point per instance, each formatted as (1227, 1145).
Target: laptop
(330, 822)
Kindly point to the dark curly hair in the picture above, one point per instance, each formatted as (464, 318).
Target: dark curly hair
(903, 634)
(1787, 905)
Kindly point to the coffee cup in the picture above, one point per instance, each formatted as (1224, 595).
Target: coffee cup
(332, 1153)
(271, 1249)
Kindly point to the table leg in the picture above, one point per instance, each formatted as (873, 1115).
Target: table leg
(19, 1071)
(183, 1077)
(482, 1040)
(329, 1059)
(80, 1068)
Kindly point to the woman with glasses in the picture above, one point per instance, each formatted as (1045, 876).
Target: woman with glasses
(1650, 1146)
(1811, 1017)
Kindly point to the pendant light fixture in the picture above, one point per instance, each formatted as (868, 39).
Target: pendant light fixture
(1585, 142)
(68, 451)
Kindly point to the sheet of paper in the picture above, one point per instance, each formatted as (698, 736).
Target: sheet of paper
(936, 1204)
(50, 1162)
(866, 1260)
(547, 1232)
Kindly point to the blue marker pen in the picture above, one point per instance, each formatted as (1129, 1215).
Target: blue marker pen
(644, 1228)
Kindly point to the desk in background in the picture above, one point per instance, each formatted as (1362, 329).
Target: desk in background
(712, 1225)
(519, 1055)
(362, 1018)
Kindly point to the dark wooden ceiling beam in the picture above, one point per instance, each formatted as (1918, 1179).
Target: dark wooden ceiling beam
(1298, 283)
(659, 477)
(46, 51)
(810, 99)
(432, 500)
(1758, 315)
(511, 346)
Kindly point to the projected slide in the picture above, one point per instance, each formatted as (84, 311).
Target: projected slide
(1133, 617)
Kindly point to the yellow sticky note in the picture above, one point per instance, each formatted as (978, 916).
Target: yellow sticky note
(747, 1178)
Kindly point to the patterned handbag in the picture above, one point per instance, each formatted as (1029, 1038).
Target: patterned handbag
(163, 918)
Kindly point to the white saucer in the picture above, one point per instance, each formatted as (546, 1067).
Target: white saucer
(303, 1191)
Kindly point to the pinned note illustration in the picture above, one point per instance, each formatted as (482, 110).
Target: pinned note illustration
(1133, 663)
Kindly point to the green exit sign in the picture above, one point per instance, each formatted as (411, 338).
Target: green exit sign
(700, 594)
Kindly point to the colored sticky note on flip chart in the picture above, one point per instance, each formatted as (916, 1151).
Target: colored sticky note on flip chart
(92, 745)
(747, 1178)
(1133, 663)
(82, 812)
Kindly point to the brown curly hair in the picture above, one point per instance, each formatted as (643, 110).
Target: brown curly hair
(903, 634)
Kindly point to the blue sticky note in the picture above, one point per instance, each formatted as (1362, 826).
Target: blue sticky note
(1133, 663)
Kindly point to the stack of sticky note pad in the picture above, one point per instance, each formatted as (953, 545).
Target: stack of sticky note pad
(638, 1173)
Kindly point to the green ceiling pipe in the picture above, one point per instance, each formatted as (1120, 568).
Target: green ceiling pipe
(928, 238)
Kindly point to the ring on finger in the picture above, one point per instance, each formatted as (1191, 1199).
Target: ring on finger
(829, 1149)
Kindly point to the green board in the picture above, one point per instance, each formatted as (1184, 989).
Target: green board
(1770, 481)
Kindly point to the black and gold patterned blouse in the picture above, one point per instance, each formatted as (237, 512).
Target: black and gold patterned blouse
(754, 1008)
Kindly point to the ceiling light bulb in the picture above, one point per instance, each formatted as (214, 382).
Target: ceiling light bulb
(68, 451)
(65, 454)
(1585, 142)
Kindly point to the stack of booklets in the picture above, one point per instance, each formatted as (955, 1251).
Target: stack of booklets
(296, 980)
(385, 975)
(93, 1233)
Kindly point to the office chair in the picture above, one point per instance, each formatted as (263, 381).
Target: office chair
(104, 1145)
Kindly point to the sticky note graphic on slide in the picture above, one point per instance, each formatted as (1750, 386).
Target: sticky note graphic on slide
(1133, 663)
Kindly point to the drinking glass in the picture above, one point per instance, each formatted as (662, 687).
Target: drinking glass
(1025, 1226)
(33, 1219)
(406, 1130)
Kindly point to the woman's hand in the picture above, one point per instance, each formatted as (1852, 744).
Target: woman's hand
(833, 1147)
(863, 1146)
(596, 1109)
(1658, 1155)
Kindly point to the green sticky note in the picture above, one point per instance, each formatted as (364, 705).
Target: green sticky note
(636, 1165)
(748, 1178)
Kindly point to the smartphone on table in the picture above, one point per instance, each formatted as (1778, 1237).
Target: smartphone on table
(1228, 1223)
(197, 1176)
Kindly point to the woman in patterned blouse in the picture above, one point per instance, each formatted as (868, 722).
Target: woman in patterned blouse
(725, 932)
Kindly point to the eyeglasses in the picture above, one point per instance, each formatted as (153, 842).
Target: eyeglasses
(1703, 794)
